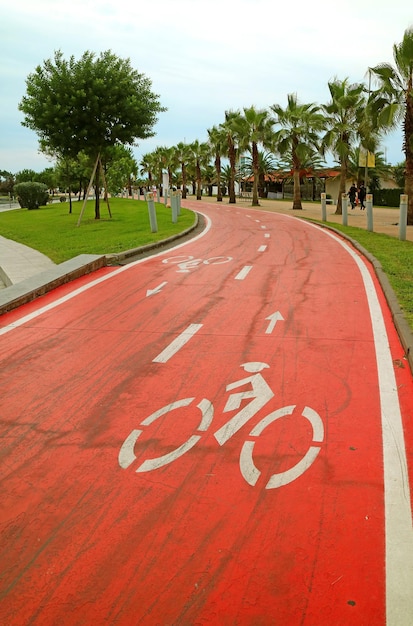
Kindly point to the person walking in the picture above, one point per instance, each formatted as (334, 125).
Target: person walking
(362, 195)
(352, 195)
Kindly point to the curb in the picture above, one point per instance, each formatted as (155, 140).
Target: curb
(27, 290)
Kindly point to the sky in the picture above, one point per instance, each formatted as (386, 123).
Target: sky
(203, 58)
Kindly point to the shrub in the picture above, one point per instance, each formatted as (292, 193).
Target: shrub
(387, 197)
(31, 195)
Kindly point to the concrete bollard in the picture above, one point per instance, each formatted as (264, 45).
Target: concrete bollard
(344, 208)
(152, 213)
(323, 207)
(404, 198)
(174, 206)
(178, 200)
(369, 209)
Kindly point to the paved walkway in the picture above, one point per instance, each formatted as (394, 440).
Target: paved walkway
(18, 262)
(384, 220)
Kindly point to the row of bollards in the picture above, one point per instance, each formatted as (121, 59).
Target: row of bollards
(369, 212)
(175, 206)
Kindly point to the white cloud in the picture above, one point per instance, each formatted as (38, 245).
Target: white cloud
(203, 59)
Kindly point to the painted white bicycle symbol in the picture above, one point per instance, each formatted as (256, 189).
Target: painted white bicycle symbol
(186, 263)
(260, 394)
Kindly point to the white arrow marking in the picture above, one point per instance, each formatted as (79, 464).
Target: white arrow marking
(273, 320)
(157, 289)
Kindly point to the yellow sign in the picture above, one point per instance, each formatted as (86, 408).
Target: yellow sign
(366, 159)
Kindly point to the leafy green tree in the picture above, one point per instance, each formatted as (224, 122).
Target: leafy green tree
(392, 103)
(346, 126)
(7, 181)
(26, 176)
(121, 169)
(89, 105)
(299, 134)
(49, 178)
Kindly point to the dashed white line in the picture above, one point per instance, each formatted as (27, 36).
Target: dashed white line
(243, 273)
(177, 343)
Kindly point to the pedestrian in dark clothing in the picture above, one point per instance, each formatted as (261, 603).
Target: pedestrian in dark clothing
(362, 195)
(352, 195)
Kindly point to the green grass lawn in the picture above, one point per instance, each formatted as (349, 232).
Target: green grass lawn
(54, 231)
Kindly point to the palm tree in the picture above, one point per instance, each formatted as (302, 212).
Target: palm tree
(226, 176)
(229, 127)
(299, 133)
(183, 157)
(209, 176)
(168, 160)
(346, 126)
(266, 165)
(399, 174)
(218, 142)
(393, 102)
(147, 166)
(201, 155)
(254, 128)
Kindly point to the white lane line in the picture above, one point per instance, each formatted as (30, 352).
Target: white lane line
(267, 235)
(177, 343)
(97, 281)
(263, 227)
(243, 273)
(262, 248)
(398, 512)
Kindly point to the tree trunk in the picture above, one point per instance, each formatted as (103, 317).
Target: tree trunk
(198, 181)
(342, 186)
(408, 133)
(232, 157)
(297, 206)
(183, 181)
(255, 167)
(218, 169)
(97, 195)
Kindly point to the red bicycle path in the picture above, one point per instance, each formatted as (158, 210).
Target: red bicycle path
(84, 540)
